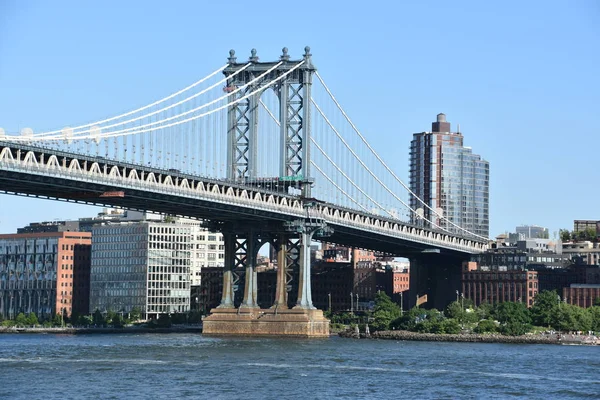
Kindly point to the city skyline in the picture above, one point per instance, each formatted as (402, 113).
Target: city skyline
(504, 92)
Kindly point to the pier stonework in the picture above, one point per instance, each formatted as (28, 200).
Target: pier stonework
(266, 322)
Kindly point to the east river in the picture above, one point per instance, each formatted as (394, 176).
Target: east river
(180, 366)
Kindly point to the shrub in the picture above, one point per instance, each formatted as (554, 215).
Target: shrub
(485, 326)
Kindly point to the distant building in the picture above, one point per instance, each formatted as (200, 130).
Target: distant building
(107, 215)
(584, 252)
(450, 179)
(524, 254)
(582, 295)
(581, 225)
(45, 273)
(532, 232)
(498, 286)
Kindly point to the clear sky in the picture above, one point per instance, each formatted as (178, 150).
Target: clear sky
(522, 78)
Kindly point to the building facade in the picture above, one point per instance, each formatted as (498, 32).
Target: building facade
(584, 252)
(44, 273)
(581, 225)
(582, 295)
(450, 179)
(498, 286)
(141, 264)
(532, 232)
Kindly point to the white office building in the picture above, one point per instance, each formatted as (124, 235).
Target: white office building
(149, 265)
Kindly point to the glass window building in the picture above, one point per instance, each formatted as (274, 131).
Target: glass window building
(450, 179)
(150, 265)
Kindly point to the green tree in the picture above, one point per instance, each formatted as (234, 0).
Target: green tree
(21, 320)
(571, 318)
(485, 326)
(408, 320)
(85, 320)
(117, 321)
(385, 312)
(455, 310)
(594, 318)
(513, 328)
(110, 315)
(32, 319)
(544, 306)
(135, 314)
(512, 312)
(514, 318)
(565, 235)
(98, 318)
(57, 320)
(590, 234)
(484, 311)
(449, 326)
(597, 301)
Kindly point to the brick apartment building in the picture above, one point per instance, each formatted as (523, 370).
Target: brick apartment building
(498, 286)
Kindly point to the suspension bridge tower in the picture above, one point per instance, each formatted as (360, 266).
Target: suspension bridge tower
(237, 313)
(294, 92)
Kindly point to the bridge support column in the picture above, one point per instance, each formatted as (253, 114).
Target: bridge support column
(304, 283)
(303, 320)
(281, 289)
(229, 239)
(250, 286)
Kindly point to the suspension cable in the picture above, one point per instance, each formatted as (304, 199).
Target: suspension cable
(176, 104)
(365, 166)
(337, 186)
(115, 134)
(312, 139)
(144, 107)
(385, 165)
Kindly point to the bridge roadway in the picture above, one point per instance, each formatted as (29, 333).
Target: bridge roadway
(48, 173)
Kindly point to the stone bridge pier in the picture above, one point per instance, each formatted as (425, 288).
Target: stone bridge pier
(239, 313)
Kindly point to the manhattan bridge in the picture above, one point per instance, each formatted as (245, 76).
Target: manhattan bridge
(261, 151)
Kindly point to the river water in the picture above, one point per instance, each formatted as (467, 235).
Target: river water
(191, 366)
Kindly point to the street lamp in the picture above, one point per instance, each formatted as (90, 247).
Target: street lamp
(457, 296)
(462, 301)
(329, 295)
(351, 303)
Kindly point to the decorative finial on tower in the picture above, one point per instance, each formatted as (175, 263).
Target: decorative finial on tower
(307, 52)
(285, 56)
(253, 56)
(232, 58)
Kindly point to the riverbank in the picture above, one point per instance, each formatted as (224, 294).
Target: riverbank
(79, 331)
(477, 338)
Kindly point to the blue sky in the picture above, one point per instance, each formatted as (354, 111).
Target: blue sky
(521, 78)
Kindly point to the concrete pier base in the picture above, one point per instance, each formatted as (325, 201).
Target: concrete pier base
(266, 322)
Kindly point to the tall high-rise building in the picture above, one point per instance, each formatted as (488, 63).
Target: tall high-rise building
(450, 179)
